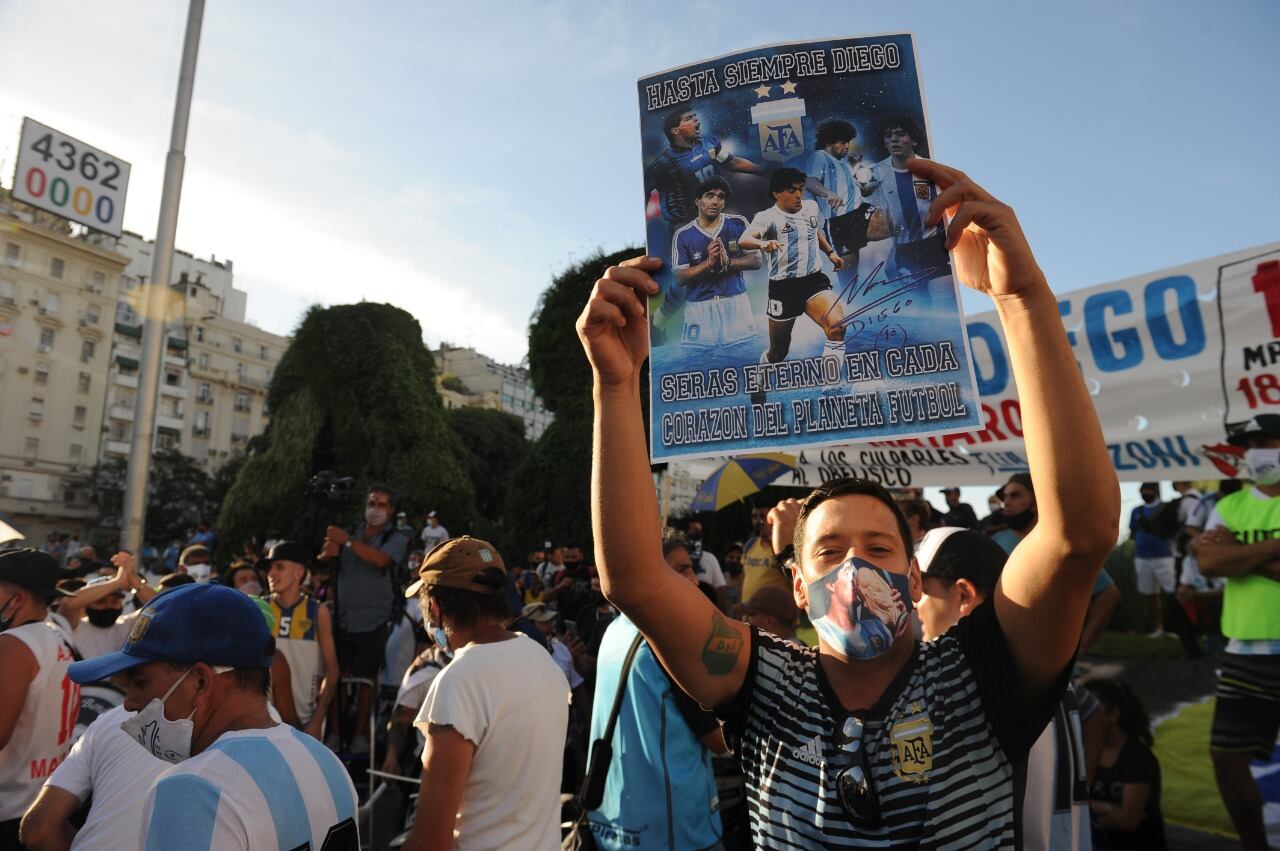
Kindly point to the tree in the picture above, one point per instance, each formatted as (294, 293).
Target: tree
(493, 445)
(179, 496)
(550, 492)
(355, 394)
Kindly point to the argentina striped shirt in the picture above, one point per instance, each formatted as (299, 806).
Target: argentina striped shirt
(254, 790)
(942, 741)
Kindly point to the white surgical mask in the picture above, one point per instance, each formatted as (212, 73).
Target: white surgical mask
(375, 516)
(164, 739)
(253, 589)
(199, 572)
(1264, 465)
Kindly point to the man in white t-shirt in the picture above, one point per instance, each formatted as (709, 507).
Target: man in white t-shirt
(495, 719)
(38, 703)
(433, 533)
(108, 765)
(705, 563)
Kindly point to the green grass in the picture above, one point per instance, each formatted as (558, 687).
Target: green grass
(1190, 796)
(1129, 645)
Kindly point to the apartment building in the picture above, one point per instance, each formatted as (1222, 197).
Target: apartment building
(216, 366)
(70, 353)
(57, 304)
(466, 378)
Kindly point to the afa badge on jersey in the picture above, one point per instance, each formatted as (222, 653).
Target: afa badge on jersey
(787, 334)
(912, 740)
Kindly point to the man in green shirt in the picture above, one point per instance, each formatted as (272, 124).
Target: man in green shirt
(1242, 543)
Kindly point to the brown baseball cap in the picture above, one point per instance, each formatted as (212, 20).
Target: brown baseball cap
(465, 563)
(771, 600)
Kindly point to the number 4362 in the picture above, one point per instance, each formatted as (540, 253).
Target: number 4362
(68, 158)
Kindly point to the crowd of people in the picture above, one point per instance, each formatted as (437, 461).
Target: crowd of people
(861, 670)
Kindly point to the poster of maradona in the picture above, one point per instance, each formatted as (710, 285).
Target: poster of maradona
(803, 302)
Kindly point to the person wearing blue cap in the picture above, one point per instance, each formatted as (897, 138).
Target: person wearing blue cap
(202, 654)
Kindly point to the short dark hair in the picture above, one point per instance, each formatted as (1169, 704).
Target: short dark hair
(229, 578)
(849, 487)
(835, 130)
(252, 680)
(670, 545)
(674, 117)
(392, 496)
(785, 178)
(711, 184)
(466, 608)
(905, 122)
(918, 509)
(173, 580)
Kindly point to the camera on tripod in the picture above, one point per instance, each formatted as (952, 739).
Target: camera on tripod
(330, 494)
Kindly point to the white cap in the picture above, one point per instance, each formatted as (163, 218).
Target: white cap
(929, 544)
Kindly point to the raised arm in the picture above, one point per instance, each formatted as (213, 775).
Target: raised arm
(1045, 587)
(72, 608)
(705, 652)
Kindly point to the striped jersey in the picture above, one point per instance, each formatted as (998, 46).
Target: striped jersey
(905, 199)
(942, 742)
(836, 174)
(295, 631)
(274, 789)
(689, 247)
(800, 253)
(676, 173)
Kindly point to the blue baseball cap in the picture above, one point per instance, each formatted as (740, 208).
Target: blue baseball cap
(188, 624)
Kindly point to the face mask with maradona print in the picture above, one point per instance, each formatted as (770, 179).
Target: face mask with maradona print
(860, 609)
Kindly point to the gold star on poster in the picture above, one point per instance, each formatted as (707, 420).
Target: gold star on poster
(915, 707)
(763, 91)
(788, 88)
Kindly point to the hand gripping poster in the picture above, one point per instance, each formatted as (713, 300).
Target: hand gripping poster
(804, 301)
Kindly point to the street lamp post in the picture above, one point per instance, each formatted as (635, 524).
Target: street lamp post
(155, 298)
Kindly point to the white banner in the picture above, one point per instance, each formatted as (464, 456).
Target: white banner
(1173, 360)
(68, 178)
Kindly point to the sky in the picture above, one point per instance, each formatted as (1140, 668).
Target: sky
(452, 158)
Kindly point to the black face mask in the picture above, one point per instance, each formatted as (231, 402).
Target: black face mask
(572, 566)
(733, 568)
(103, 617)
(1022, 520)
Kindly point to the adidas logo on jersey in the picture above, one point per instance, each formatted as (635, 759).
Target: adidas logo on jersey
(810, 753)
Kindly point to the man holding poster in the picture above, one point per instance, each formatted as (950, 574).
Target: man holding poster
(864, 742)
